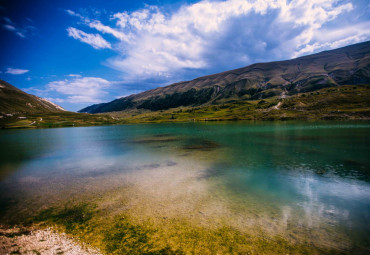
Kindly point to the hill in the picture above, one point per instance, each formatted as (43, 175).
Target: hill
(15, 101)
(349, 65)
(19, 109)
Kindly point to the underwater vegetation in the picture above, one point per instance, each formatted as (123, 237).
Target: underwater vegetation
(123, 234)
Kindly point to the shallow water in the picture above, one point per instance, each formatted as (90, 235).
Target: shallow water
(307, 182)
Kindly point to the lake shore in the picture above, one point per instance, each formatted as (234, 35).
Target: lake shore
(344, 103)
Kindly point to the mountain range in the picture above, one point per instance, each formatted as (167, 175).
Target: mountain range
(328, 85)
(349, 65)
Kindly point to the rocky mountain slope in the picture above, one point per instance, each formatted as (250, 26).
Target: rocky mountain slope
(15, 101)
(344, 66)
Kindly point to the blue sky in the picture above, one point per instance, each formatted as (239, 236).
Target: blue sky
(77, 53)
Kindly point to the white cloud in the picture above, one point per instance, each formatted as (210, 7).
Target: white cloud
(14, 29)
(9, 27)
(207, 35)
(108, 30)
(72, 13)
(80, 89)
(55, 100)
(16, 71)
(20, 34)
(95, 40)
(163, 44)
(335, 38)
(8, 20)
(19, 31)
(83, 99)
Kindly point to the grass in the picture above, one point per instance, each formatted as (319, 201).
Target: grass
(335, 103)
(61, 119)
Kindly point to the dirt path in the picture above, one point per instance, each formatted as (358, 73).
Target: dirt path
(39, 241)
(277, 107)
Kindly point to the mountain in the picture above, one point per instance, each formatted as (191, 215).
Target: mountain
(15, 101)
(349, 65)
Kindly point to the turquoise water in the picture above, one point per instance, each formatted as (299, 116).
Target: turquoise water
(299, 180)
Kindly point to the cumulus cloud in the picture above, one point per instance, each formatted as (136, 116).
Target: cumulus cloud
(334, 38)
(95, 40)
(214, 36)
(16, 71)
(80, 89)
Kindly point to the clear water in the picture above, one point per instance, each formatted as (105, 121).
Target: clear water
(303, 181)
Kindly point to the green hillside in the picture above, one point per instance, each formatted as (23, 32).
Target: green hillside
(348, 102)
(19, 109)
(15, 101)
(338, 103)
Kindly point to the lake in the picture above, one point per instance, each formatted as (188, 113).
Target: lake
(292, 187)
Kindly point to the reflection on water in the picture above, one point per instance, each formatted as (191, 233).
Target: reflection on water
(302, 181)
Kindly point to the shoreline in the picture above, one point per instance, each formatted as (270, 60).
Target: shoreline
(344, 103)
(37, 240)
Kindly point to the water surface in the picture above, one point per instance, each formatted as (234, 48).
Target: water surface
(305, 182)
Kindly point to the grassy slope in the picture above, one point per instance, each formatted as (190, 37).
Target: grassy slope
(14, 100)
(344, 102)
(337, 103)
(57, 119)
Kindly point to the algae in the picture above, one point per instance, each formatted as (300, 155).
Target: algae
(129, 234)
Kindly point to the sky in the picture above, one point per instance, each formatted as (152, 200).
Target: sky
(76, 53)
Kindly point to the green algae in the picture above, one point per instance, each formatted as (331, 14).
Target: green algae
(71, 218)
(127, 238)
(130, 234)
